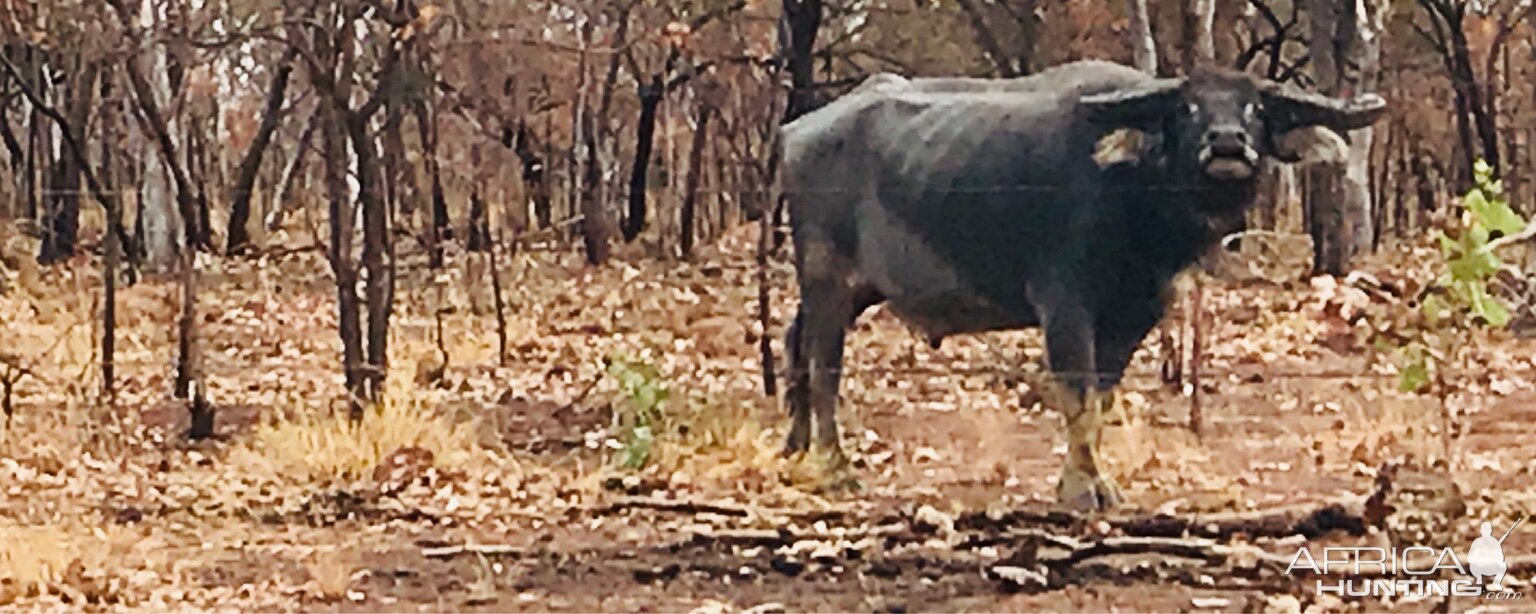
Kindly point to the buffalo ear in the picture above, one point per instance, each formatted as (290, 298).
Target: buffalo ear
(1311, 145)
(1141, 106)
(1125, 146)
(1287, 109)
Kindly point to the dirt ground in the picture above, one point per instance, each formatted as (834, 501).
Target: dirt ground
(498, 486)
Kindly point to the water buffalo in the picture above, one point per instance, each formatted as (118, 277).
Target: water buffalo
(1066, 201)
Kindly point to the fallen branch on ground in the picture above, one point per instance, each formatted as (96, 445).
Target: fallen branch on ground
(1308, 521)
(687, 506)
(444, 552)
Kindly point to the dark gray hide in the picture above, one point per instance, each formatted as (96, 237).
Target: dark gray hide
(971, 205)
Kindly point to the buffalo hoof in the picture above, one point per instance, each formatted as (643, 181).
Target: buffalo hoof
(1084, 491)
(799, 441)
(836, 460)
(840, 473)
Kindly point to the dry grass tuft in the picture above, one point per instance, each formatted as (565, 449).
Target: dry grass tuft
(333, 449)
(1139, 453)
(32, 560)
(330, 573)
(1393, 427)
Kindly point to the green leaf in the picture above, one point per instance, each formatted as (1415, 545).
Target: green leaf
(1476, 202)
(1474, 267)
(1447, 244)
(638, 449)
(1504, 219)
(1487, 307)
(1482, 171)
(1413, 376)
(1434, 309)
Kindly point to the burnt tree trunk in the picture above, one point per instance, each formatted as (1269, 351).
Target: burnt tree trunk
(342, 214)
(1447, 19)
(695, 172)
(111, 250)
(378, 256)
(238, 236)
(535, 179)
(15, 158)
(440, 229)
(802, 22)
(401, 191)
(34, 151)
(651, 95)
(479, 239)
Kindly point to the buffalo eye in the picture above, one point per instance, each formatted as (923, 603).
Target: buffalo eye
(1193, 109)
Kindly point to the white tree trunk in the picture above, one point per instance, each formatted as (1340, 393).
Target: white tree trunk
(1369, 18)
(161, 221)
(1143, 46)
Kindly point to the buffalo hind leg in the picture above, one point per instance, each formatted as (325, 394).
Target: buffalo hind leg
(797, 389)
(1076, 392)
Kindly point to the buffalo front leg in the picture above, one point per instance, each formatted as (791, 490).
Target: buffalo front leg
(1075, 391)
(824, 330)
(827, 306)
(797, 390)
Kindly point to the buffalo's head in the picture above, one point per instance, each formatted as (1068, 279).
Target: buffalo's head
(1219, 123)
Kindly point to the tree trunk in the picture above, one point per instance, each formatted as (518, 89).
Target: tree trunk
(594, 226)
(111, 250)
(62, 227)
(342, 215)
(278, 209)
(1143, 45)
(801, 23)
(479, 239)
(15, 160)
(1199, 43)
(1029, 32)
(535, 179)
(651, 95)
(378, 256)
(441, 226)
(238, 234)
(987, 39)
(157, 124)
(695, 172)
(34, 152)
(1345, 60)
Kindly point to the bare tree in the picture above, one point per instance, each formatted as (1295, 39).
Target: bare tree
(1476, 98)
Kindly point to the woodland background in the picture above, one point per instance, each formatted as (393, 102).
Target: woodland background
(461, 303)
